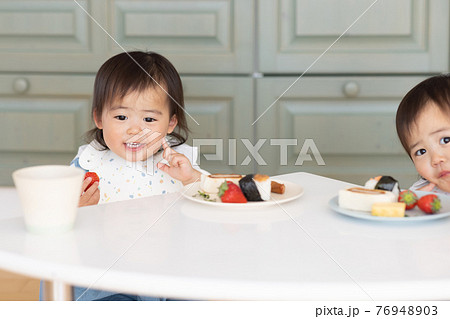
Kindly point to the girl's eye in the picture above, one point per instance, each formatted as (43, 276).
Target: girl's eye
(420, 152)
(444, 140)
(121, 117)
(149, 119)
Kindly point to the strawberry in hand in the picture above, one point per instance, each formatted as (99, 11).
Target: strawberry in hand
(231, 193)
(429, 204)
(90, 193)
(409, 198)
(94, 178)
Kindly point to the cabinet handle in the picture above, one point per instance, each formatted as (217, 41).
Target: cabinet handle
(351, 89)
(21, 85)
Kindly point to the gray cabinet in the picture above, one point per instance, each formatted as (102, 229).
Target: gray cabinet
(213, 36)
(42, 119)
(220, 119)
(50, 51)
(348, 36)
(332, 72)
(199, 37)
(335, 72)
(326, 130)
(51, 36)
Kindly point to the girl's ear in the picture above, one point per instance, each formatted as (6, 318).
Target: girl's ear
(98, 122)
(172, 124)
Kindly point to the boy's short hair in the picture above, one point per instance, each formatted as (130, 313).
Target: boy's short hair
(435, 89)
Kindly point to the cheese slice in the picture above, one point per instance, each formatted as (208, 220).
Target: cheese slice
(389, 209)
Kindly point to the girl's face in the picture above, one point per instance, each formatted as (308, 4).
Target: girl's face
(429, 145)
(134, 127)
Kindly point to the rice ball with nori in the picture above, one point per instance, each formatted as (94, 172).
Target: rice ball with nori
(386, 183)
(256, 188)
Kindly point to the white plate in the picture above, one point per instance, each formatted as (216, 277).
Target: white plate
(292, 192)
(414, 215)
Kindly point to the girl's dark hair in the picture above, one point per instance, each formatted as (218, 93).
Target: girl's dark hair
(435, 89)
(137, 71)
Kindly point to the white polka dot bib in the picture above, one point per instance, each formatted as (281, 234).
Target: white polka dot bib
(122, 180)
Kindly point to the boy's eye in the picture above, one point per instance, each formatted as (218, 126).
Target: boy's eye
(420, 152)
(121, 117)
(149, 119)
(444, 140)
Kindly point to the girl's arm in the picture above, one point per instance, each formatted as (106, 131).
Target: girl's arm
(91, 196)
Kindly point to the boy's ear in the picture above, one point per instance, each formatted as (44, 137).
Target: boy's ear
(172, 124)
(98, 122)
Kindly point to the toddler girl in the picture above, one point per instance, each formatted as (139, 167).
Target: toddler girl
(423, 126)
(137, 148)
(138, 110)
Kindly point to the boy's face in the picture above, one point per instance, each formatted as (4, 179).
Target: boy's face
(134, 127)
(429, 145)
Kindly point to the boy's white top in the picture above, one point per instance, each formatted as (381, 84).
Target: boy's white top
(122, 180)
(423, 182)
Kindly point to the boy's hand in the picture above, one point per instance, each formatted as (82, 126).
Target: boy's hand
(427, 188)
(91, 196)
(179, 166)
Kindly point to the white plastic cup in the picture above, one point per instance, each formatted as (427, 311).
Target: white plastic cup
(49, 195)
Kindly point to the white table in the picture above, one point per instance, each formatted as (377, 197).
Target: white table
(170, 246)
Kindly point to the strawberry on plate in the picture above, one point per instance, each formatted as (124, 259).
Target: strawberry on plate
(409, 198)
(231, 193)
(429, 204)
(94, 177)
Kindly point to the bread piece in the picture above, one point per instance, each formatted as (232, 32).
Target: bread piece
(389, 209)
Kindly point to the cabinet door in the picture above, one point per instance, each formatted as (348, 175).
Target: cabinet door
(52, 36)
(353, 36)
(42, 120)
(198, 36)
(220, 117)
(340, 127)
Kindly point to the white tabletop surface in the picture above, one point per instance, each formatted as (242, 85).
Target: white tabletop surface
(170, 246)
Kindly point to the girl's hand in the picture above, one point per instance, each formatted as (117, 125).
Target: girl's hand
(179, 166)
(90, 196)
(427, 188)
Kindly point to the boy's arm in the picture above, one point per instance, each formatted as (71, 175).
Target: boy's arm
(427, 188)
